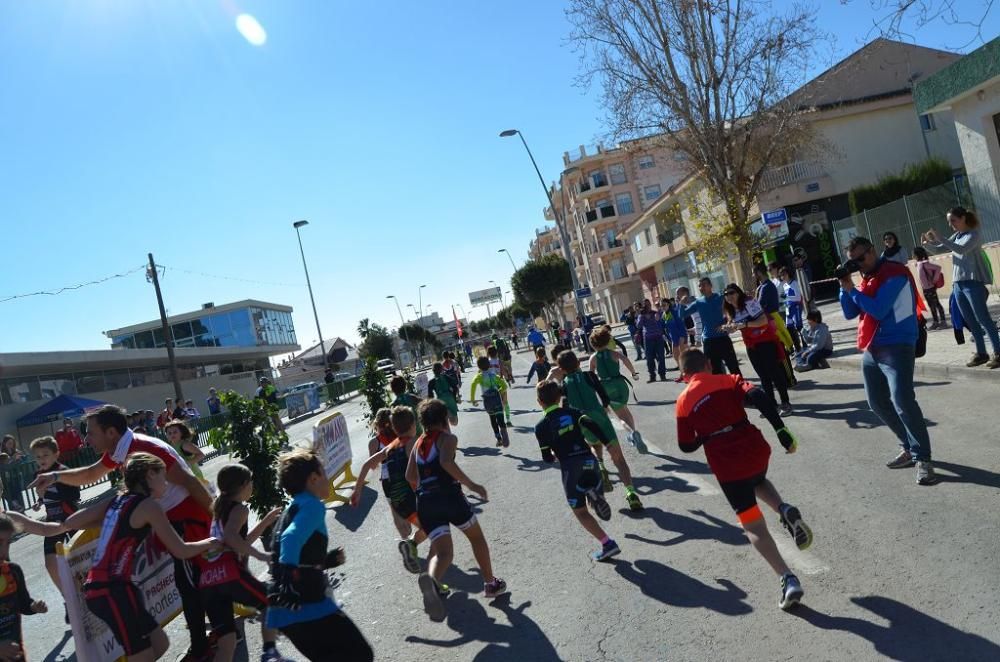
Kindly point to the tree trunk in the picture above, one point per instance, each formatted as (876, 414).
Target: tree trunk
(744, 248)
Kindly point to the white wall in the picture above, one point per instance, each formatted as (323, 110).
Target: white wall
(132, 399)
(981, 151)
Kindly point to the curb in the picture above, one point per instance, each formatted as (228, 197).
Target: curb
(935, 370)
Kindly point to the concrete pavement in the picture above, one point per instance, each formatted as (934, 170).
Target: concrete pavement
(897, 571)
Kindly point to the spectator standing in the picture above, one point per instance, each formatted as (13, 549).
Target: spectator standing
(893, 251)
(536, 338)
(770, 301)
(179, 412)
(887, 306)
(651, 327)
(970, 275)
(69, 439)
(328, 376)
(747, 316)
(190, 411)
(716, 343)
(628, 318)
(213, 402)
(931, 278)
(166, 415)
(13, 489)
(793, 305)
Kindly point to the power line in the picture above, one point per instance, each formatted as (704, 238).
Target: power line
(233, 278)
(72, 287)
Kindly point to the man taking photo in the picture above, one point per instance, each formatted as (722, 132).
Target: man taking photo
(887, 306)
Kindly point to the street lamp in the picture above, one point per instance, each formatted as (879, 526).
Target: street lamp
(402, 323)
(322, 345)
(420, 301)
(561, 225)
(504, 250)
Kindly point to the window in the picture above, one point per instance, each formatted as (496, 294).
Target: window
(650, 193)
(927, 122)
(638, 243)
(680, 156)
(19, 389)
(648, 236)
(624, 203)
(89, 382)
(116, 379)
(55, 385)
(617, 173)
(144, 340)
(597, 178)
(646, 162)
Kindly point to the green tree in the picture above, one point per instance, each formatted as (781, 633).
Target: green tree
(540, 284)
(377, 341)
(373, 384)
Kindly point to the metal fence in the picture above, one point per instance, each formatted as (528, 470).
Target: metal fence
(912, 215)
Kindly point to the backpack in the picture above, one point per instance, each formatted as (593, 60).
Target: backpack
(938, 281)
(492, 400)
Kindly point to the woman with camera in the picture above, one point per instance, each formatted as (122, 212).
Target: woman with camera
(760, 336)
(970, 275)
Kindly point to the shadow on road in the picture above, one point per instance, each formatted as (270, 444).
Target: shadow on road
(690, 528)
(353, 518)
(528, 464)
(652, 403)
(56, 655)
(910, 634)
(479, 451)
(681, 465)
(964, 474)
(857, 415)
(646, 486)
(812, 385)
(672, 587)
(521, 640)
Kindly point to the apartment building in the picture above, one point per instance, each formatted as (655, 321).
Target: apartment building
(546, 242)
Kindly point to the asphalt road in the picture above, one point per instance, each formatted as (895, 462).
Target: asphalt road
(897, 571)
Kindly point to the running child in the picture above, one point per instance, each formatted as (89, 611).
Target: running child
(15, 601)
(494, 390)
(503, 353)
(711, 413)
(180, 436)
(438, 481)
(395, 430)
(60, 501)
(225, 578)
(583, 391)
(540, 366)
(453, 371)
(497, 369)
(445, 390)
(298, 602)
(126, 520)
(606, 363)
(560, 436)
(404, 397)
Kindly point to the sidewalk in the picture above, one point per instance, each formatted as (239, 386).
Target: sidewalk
(945, 359)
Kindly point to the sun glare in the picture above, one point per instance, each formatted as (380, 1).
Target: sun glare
(251, 30)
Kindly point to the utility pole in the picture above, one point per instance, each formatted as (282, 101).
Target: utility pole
(168, 337)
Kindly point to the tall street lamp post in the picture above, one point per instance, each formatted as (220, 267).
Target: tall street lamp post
(559, 216)
(504, 250)
(322, 345)
(402, 322)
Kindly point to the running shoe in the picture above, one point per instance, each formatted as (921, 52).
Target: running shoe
(636, 440)
(606, 479)
(600, 505)
(785, 409)
(408, 550)
(444, 590)
(791, 519)
(499, 441)
(433, 604)
(791, 591)
(902, 461)
(925, 473)
(272, 655)
(651, 380)
(495, 588)
(977, 359)
(607, 551)
(509, 424)
(994, 362)
(634, 504)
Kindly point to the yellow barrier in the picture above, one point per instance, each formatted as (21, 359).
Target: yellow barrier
(333, 445)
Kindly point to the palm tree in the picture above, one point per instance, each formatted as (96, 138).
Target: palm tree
(364, 328)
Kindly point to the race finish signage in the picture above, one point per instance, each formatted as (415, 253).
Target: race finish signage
(482, 297)
(333, 446)
(153, 574)
(583, 293)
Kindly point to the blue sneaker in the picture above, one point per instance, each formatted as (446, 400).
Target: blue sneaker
(637, 441)
(607, 551)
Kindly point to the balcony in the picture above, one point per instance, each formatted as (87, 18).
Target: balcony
(607, 247)
(601, 214)
(792, 173)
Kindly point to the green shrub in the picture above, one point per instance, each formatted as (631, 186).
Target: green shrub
(913, 179)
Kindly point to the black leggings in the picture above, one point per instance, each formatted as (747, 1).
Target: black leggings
(766, 361)
(934, 304)
(720, 351)
(499, 426)
(331, 637)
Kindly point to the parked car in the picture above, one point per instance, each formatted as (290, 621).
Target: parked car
(386, 365)
(301, 387)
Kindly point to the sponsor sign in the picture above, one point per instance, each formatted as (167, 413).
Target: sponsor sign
(480, 297)
(332, 443)
(583, 293)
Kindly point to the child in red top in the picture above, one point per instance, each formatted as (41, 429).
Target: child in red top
(711, 413)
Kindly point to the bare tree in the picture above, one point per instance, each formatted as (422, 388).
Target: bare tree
(894, 16)
(709, 78)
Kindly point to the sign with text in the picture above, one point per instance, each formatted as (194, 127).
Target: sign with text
(332, 444)
(420, 381)
(583, 293)
(481, 297)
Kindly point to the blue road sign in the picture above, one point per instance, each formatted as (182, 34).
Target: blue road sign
(583, 293)
(776, 216)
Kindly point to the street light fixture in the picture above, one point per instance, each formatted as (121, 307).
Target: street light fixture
(322, 345)
(420, 300)
(560, 222)
(402, 323)
(504, 250)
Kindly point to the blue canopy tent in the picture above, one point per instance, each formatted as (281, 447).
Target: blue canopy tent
(58, 408)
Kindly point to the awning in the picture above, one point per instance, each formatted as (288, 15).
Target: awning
(58, 408)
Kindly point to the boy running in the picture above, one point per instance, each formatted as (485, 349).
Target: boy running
(583, 391)
(445, 390)
(59, 501)
(560, 436)
(540, 366)
(15, 600)
(438, 481)
(503, 353)
(494, 390)
(605, 362)
(403, 397)
(391, 449)
(497, 369)
(711, 413)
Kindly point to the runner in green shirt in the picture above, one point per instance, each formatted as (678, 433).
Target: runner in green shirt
(607, 364)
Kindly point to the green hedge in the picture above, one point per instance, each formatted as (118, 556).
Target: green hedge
(914, 178)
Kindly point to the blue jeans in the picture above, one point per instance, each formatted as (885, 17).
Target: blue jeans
(971, 296)
(655, 360)
(888, 375)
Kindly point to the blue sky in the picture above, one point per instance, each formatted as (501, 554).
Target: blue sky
(132, 126)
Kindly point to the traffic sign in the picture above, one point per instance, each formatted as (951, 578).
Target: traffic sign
(776, 216)
(583, 293)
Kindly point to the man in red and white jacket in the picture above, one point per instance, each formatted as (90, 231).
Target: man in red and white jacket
(186, 501)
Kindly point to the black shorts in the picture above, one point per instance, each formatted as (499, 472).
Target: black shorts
(246, 590)
(740, 493)
(439, 510)
(49, 542)
(405, 507)
(579, 474)
(120, 606)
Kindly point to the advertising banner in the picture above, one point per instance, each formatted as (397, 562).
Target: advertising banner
(480, 297)
(332, 444)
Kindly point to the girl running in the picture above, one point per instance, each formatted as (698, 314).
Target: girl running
(497, 369)
(180, 436)
(607, 364)
(540, 366)
(445, 390)
(128, 519)
(225, 577)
